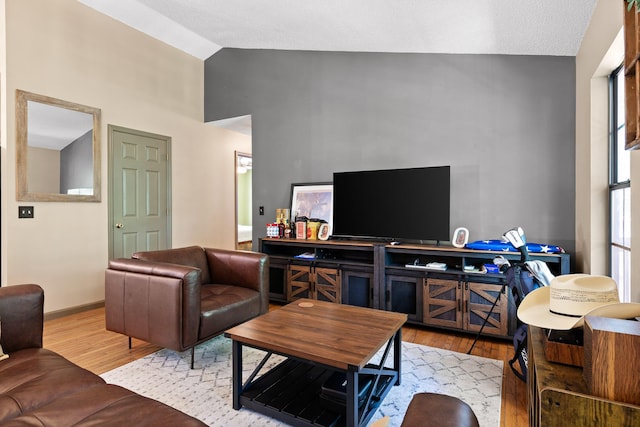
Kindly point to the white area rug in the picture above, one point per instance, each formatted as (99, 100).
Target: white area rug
(205, 392)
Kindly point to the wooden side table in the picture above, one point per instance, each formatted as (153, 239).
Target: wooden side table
(558, 394)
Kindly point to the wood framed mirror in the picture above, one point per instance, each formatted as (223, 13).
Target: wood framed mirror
(57, 150)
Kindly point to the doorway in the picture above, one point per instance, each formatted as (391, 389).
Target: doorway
(139, 192)
(244, 175)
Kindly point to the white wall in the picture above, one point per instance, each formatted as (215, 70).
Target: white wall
(63, 49)
(602, 50)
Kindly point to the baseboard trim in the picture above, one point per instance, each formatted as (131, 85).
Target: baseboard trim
(72, 310)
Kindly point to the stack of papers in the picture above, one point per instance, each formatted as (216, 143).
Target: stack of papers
(437, 266)
(440, 266)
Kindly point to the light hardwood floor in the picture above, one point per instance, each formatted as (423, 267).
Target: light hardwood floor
(83, 339)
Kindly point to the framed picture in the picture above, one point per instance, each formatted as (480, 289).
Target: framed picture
(313, 200)
(460, 237)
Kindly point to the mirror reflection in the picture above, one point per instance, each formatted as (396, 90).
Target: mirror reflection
(57, 149)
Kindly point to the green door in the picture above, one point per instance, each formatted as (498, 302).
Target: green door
(139, 189)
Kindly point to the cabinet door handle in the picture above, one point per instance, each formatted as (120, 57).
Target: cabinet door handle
(459, 305)
(466, 306)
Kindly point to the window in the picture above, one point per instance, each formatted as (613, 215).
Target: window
(619, 188)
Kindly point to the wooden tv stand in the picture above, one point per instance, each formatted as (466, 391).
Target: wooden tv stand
(382, 276)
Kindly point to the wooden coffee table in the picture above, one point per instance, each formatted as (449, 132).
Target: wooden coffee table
(321, 341)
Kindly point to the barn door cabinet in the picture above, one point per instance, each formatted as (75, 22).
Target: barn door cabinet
(455, 303)
(443, 302)
(393, 277)
(314, 282)
(336, 271)
(486, 303)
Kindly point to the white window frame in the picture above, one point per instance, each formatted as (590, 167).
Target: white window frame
(619, 189)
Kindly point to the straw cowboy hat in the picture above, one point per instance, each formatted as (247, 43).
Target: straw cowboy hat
(569, 298)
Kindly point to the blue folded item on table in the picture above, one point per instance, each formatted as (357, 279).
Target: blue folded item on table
(500, 246)
(490, 268)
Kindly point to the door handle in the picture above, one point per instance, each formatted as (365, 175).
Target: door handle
(119, 225)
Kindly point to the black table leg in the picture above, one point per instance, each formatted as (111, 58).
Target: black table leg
(397, 356)
(353, 419)
(236, 362)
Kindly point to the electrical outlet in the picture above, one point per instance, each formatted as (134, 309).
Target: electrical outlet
(25, 211)
(261, 210)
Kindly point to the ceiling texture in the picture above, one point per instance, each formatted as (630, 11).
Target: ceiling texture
(509, 27)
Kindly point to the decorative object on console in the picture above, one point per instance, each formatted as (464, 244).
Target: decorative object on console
(460, 237)
(282, 221)
(272, 229)
(301, 227)
(499, 245)
(323, 231)
(312, 200)
(312, 228)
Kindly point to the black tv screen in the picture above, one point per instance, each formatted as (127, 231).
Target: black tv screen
(395, 204)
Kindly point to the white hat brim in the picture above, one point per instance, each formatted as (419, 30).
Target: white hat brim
(534, 311)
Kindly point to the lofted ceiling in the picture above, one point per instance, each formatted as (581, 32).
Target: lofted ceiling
(510, 27)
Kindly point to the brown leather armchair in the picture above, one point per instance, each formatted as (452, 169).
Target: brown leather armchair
(178, 298)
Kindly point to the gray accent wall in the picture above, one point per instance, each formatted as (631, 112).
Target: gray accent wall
(505, 125)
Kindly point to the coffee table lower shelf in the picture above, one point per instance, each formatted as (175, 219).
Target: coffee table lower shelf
(292, 392)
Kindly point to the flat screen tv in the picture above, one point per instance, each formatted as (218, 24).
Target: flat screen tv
(394, 204)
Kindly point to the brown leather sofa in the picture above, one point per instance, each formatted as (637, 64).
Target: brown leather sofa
(177, 298)
(41, 388)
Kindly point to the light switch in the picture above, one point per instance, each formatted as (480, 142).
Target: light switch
(25, 211)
